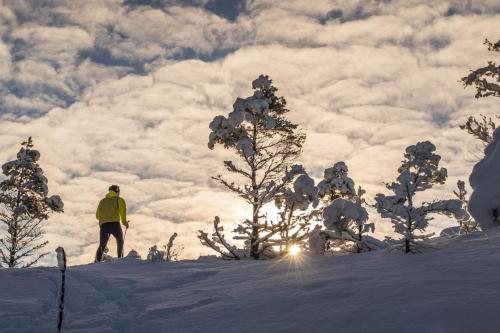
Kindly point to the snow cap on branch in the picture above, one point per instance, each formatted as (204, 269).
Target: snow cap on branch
(230, 131)
(262, 81)
(302, 193)
(336, 182)
(341, 211)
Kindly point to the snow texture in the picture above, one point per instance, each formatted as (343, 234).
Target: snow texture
(343, 209)
(336, 181)
(485, 182)
(451, 289)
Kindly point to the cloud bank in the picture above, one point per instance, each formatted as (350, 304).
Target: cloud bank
(123, 92)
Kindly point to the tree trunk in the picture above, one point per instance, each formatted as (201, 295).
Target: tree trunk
(13, 233)
(360, 235)
(410, 222)
(13, 248)
(254, 246)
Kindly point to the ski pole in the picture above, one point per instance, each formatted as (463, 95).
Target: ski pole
(124, 236)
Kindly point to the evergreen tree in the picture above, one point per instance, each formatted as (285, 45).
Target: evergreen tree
(24, 206)
(265, 143)
(418, 172)
(344, 216)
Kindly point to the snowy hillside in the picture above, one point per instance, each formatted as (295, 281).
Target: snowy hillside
(453, 288)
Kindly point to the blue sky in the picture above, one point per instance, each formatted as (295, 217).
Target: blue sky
(123, 92)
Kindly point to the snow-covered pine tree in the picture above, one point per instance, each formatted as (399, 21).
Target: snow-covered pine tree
(265, 143)
(24, 206)
(418, 172)
(483, 203)
(344, 216)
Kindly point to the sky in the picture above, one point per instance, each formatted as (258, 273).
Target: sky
(123, 92)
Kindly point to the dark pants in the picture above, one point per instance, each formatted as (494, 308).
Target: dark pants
(108, 229)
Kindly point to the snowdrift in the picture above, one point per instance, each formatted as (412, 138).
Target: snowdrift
(454, 287)
(485, 181)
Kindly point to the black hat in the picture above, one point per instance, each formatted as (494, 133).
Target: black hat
(114, 188)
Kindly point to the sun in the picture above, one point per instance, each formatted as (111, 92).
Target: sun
(294, 250)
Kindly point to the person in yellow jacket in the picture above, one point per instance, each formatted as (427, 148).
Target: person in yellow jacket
(109, 212)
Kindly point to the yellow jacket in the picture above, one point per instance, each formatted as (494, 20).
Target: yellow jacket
(111, 209)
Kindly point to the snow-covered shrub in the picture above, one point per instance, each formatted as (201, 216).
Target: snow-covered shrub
(170, 252)
(133, 254)
(155, 255)
(419, 171)
(344, 216)
(24, 206)
(265, 144)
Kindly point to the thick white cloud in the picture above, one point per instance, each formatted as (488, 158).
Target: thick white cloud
(112, 104)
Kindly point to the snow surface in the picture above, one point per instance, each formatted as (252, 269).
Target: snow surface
(452, 288)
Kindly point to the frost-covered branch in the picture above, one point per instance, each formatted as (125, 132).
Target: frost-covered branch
(481, 129)
(486, 78)
(218, 243)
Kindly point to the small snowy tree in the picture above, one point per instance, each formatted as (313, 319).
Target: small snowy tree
(344, 216)
(467, 223)
(155, 254)
(24, 206)
(418, 172)
(170, 252)
(265, 143)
